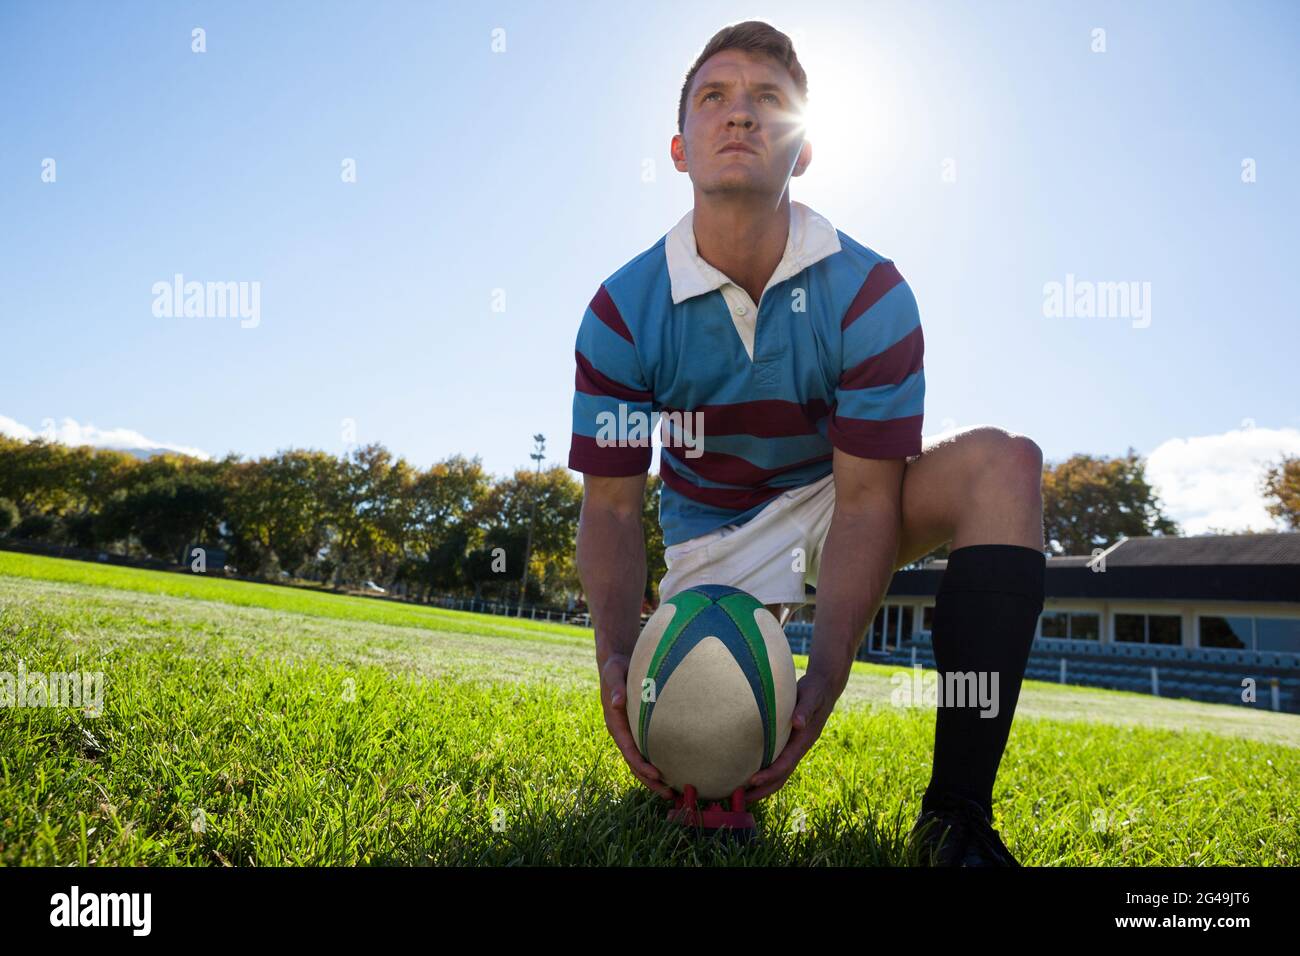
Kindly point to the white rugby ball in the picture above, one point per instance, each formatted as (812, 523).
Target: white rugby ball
(711, 689)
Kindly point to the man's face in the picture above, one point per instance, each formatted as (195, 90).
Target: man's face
(739, 98)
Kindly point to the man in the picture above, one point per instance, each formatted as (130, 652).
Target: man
(788, 358)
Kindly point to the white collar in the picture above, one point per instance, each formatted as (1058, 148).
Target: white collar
(811, 239)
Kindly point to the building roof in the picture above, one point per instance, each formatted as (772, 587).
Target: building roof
(1279, 549)
(1244, 567)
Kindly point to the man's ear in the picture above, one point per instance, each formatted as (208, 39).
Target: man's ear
(677, 150)
(805, 158)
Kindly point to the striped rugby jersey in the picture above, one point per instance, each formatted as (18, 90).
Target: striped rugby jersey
(753, 400)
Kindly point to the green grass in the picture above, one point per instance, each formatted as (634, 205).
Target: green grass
(293, 600)
(254, 725)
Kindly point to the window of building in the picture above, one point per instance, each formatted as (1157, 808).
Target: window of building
(1164, 629)
(1277, 634)
(1085, 627)
(1130, 628)
(1251, 633)
(1055, 624)
(886, 631)
(905, 634)
(1230, 632)
(1149, 628)
(872, 639)
(1075, 625)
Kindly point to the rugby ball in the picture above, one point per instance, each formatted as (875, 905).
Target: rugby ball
(711, 689)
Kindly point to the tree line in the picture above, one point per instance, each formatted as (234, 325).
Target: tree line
(451, 528)
(367, 515)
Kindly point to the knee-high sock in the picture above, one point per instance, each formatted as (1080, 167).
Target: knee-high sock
(985, 615)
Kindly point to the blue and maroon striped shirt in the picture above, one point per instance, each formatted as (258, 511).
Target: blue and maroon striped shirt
(754, 399)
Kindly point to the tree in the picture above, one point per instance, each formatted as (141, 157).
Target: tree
(439, 535)
(9, 516)
(97, 473)
(1091, 502)
(38, 475)
(1281, 483)
(654, 538)
(38, 527)
(167, 514)
(504, 520)
(278, 510)
(363, 505)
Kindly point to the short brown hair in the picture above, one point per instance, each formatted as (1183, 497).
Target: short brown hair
(752, 36)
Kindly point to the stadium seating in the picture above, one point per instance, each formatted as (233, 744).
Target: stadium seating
(1213, 675)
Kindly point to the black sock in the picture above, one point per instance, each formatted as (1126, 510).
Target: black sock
(985, 615)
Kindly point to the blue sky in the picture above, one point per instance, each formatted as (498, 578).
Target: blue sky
(523, 171)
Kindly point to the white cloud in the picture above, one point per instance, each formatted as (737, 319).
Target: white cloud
(70, 432)
(14, 430)
(1213, 480)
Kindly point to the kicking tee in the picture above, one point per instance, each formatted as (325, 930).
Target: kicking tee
(751, 399)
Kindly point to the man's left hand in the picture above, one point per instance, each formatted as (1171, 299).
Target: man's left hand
(813, 705)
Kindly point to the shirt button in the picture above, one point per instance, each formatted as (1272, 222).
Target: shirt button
(740, 310)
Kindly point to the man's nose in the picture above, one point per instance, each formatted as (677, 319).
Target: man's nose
(742, 113)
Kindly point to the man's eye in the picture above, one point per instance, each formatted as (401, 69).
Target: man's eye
(775, 98)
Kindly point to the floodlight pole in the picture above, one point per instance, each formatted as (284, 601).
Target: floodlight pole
(537, 455)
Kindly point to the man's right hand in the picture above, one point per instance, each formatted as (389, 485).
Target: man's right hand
(612, 567)
(613, 698)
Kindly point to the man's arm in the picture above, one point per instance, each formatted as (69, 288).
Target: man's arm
(856, 565)
(612, 567)
(857, 562)
(611, 560)
(875, 426)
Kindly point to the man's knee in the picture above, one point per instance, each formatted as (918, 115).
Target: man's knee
(1008, 463)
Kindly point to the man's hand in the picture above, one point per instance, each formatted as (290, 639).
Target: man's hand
(814, 702)
(856, 566)
(613, 698)
(612, 567)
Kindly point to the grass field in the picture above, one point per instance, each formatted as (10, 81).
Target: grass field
(245, 724)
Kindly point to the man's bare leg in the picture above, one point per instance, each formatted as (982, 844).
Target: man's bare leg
(980, 486)
(979, 491)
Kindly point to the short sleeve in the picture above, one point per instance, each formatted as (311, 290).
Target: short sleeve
(880, 398)
(613, 407)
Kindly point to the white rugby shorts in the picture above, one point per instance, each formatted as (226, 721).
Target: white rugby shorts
(771, 556)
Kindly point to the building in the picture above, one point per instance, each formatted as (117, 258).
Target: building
(1209, 612)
